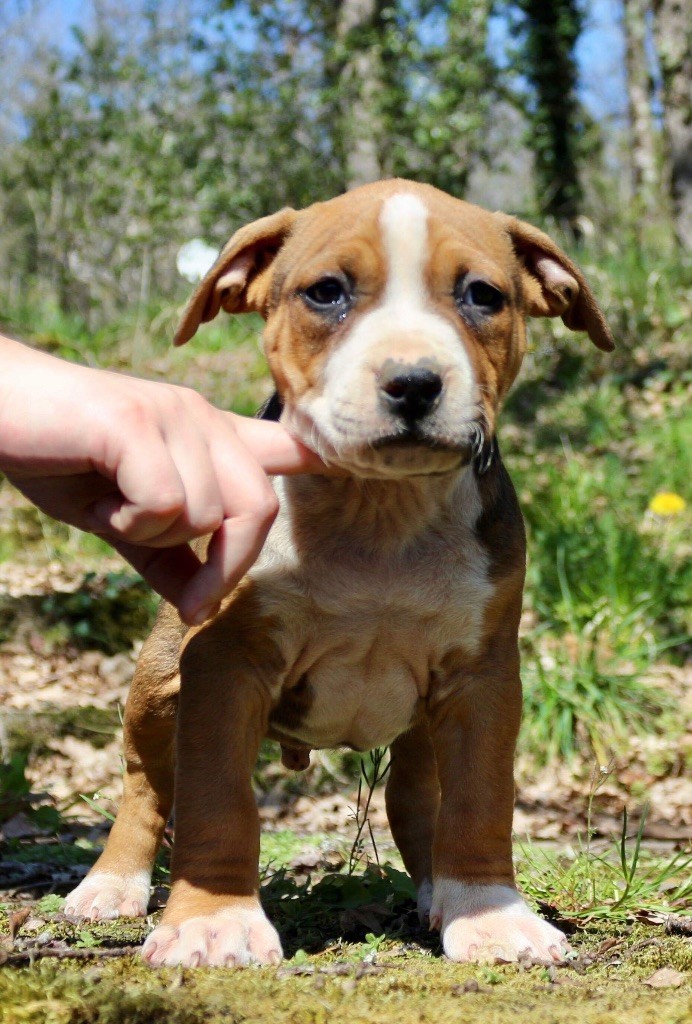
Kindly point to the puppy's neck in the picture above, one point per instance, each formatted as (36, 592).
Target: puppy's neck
(378, 516)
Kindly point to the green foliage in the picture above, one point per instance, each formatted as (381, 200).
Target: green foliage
(356, 907)
(607, 582)
(579, 698)
(136, 141)
(373, 771)
(169, 124)
(593, 552)
(56, 853)
(50, 904)
(98, 808)
(100, 111)
(86, 940)
(106, 613)
(16, 796)
(15, 788)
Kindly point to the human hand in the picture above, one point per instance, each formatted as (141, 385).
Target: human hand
(148, 466)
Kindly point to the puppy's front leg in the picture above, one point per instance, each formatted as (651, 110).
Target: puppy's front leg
(214, 915)
(474, 724)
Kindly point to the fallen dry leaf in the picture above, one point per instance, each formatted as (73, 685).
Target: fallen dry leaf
(17, 920)
(665, 977)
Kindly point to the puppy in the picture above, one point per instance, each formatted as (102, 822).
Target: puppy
(385, 606)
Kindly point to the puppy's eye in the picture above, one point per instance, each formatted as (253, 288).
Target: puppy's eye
(327, 294)
(479, 295)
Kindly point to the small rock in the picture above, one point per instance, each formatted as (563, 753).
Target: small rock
(469, 986)
(307, 859)
(21, 827)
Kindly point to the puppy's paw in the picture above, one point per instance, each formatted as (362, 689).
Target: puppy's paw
(104, 895)
(491, 922)
(234, 937)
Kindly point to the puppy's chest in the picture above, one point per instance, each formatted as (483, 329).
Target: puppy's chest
(362, 637)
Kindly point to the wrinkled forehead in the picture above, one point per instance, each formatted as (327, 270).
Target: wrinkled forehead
(395, 230)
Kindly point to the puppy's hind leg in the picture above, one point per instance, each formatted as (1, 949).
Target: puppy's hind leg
(413, 799)
(118, 884)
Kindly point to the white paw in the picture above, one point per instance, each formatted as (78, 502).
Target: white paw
(105, 895)
(491, 922)
(234, 937)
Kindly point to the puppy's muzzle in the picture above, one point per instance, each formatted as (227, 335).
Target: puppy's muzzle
(410, 392)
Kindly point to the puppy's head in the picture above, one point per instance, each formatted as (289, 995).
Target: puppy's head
(395, 320)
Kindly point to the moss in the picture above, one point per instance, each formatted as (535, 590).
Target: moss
(403, 986)
(397, 976)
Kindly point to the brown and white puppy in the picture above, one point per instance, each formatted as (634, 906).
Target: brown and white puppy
(385, 606)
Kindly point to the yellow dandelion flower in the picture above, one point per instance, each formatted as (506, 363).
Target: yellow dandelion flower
(667, 503)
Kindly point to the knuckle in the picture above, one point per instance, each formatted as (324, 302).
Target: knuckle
(265, 506)
(132, 410)
(166, 502)
(208, 520)
(190, 399)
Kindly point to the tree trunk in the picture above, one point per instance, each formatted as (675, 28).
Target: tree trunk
(551, 34)
(646, 181)
(360, 82)
(673, 31)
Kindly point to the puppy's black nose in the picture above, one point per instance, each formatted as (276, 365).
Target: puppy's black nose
(411, 392)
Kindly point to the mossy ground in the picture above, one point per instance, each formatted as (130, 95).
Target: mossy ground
(390, 970)
(400, 982)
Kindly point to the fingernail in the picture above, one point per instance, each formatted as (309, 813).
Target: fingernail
(208, 612)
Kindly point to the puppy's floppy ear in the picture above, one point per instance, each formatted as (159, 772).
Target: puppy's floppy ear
(553, 285)
(239, 280)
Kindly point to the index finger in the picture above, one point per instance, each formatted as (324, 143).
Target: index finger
(277, 451)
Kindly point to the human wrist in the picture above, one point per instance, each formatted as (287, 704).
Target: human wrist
(34, 389)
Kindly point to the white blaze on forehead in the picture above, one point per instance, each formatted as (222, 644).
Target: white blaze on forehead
(404, 223)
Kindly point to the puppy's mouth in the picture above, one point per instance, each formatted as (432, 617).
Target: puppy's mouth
(404, 450)
(413, 452)
(413, 438)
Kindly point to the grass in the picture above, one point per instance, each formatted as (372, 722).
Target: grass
(615, 886)
(609, 584)
(591, 543)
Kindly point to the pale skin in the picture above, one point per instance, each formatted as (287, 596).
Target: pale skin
(148, 466)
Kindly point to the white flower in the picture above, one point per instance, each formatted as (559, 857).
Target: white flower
(194, 259)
